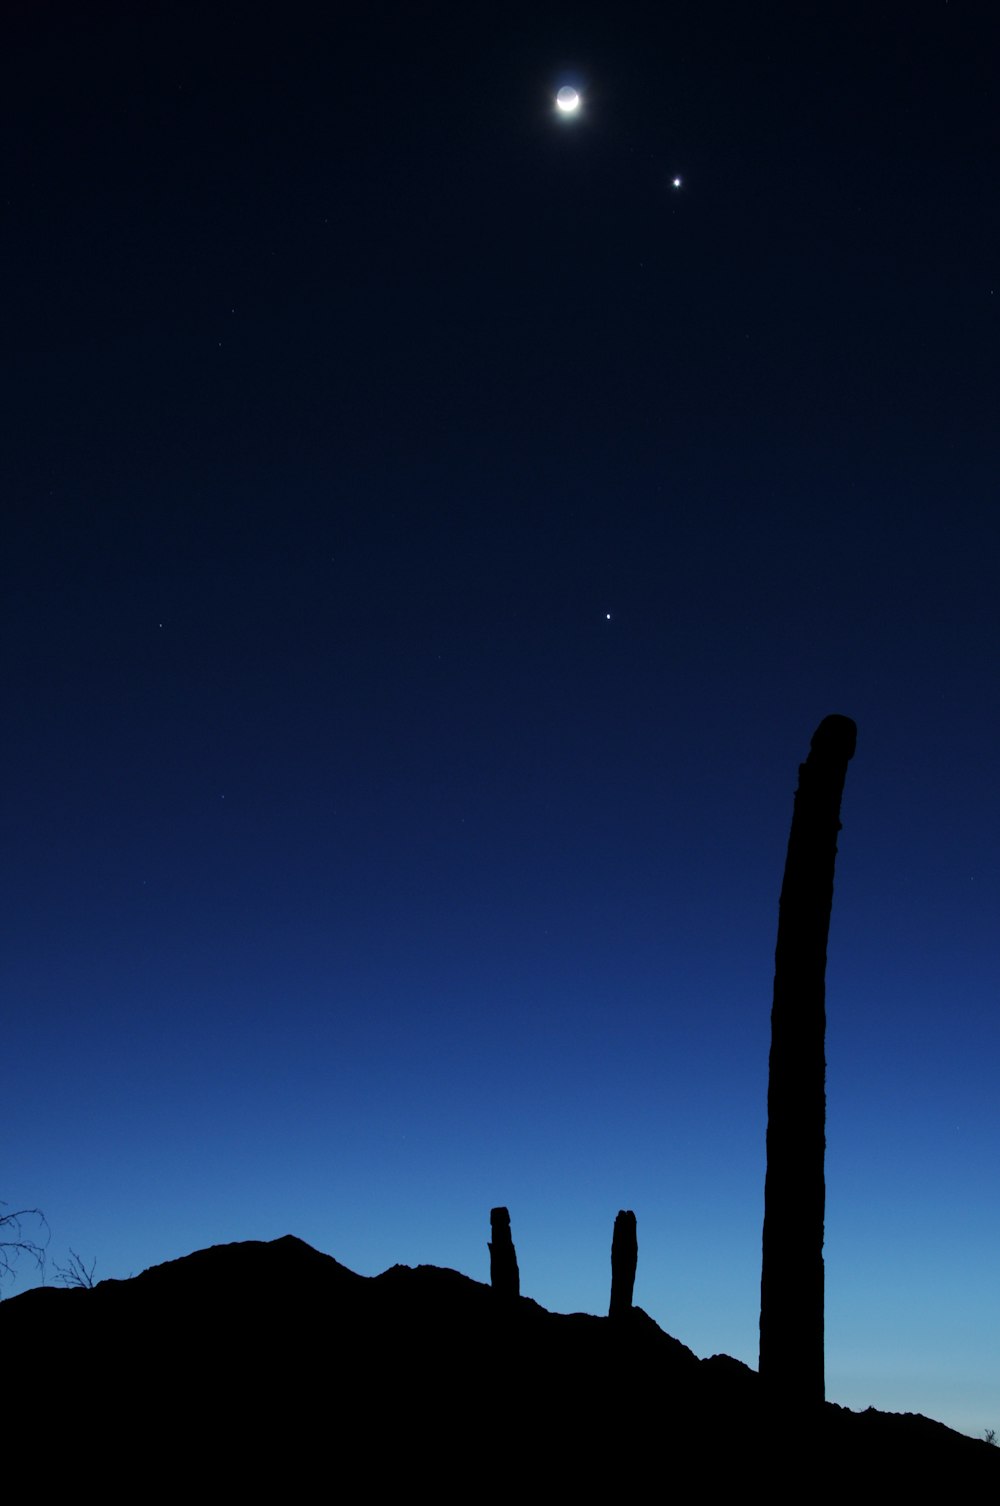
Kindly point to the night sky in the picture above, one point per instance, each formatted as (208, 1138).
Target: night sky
(430, 540)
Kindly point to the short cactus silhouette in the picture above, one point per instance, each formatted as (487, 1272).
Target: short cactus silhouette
(624, 1256)
(505, 1278)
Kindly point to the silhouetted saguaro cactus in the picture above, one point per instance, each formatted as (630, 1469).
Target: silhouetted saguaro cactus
(505, 1278)
(624, 1256)
(791, 1284)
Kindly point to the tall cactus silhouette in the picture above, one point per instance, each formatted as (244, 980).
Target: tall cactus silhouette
(791, 1284)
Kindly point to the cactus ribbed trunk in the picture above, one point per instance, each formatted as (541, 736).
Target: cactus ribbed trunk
(624, 1257)
(505, 1278)
(791, 1286)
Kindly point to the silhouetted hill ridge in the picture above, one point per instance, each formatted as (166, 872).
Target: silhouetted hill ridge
(259, 1357)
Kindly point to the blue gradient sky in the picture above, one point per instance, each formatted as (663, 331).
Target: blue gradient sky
(362, 872)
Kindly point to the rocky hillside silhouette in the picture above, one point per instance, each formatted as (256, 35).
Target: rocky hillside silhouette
(271, 1365)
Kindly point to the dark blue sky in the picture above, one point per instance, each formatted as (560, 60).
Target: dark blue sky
(430, 542)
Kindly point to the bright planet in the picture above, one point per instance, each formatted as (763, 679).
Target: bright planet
(568, 99)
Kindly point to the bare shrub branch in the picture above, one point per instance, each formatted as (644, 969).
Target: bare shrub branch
(15, 1241)
(77, 1272)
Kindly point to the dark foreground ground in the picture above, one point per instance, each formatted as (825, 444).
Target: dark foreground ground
(273, 1366)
